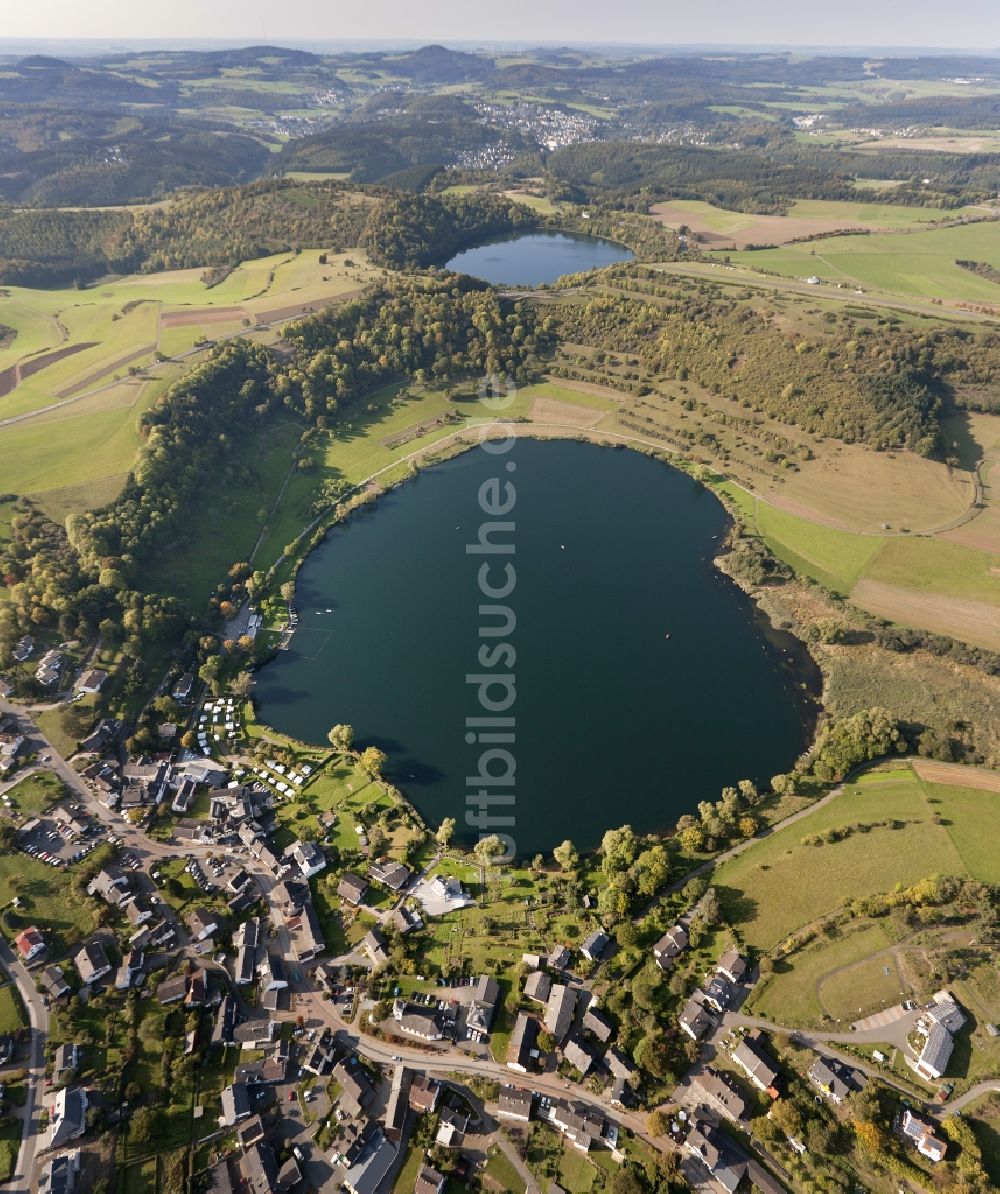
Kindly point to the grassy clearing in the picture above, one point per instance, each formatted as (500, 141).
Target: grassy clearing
(807, 989)
(937, 566)
(33, 794)
(502, 1173)
(229, 519)
(984, 1120)
(772, 890)
(12, 1015)
(46, 900)
(967, 814)
(76, 457)
(10, 1144)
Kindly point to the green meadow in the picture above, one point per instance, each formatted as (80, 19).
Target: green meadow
(917, 264)
(781, 885)
(837, 559)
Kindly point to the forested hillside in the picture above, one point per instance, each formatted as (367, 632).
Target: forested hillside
(884, 387)
(770, 171)
(44, 247)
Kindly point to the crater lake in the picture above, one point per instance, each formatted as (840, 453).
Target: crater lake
(645, 680)
(534, 258)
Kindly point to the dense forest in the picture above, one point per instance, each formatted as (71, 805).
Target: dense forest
(48, 247)
(372, 150)
(409, 231)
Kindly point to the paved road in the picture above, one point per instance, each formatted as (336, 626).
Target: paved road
(38, 1017)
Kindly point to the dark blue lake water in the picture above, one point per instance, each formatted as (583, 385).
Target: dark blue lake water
(538, 257)
(644, 683)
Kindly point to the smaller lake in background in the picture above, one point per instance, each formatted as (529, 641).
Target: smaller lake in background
(535, 258)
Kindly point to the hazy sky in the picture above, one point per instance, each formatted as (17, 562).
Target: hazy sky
(967, 23)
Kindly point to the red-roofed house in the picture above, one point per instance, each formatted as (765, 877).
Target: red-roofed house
(30, 943)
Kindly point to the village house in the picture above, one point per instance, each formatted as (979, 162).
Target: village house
(452, 1126)
(29, 944)
(203, 923)
(523, 1041)
(670, 946)
(835, 1080)
(424, 1094)
(65, 1062)
(405, 920)
(172, 990)
(357, 1091)
(91, 681)
(582, 1125)
(307, 856)
(91, 962)
(754, 1060)
(725, 1162)
(67, 1117)
(515, 1103)
(482, 1009)
(235, 1101)
(594, 945)
(578, 1056)
(256, 1033)
(694, 1019)
(719, 993)
(352, 888)
(719, 1093)
(397, 1107)
(538, 986)
(367, 1174)
(130, 973)
(429, 1181)
(932, 1061)
(732, 966)
(921, 1134)
(389, 873)
(558, 958)
(376, 947)
(224, 1022)
(54, 982)
(417, 1021)
(595, 1023)
(560, 1011)
(23, 648)
(59, 1174)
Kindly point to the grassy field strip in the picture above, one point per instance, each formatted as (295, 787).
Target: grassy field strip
(971, 621)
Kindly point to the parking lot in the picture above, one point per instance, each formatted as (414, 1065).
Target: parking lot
(54, 842)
